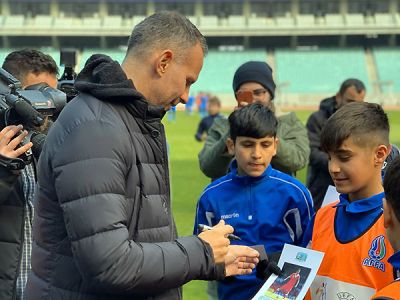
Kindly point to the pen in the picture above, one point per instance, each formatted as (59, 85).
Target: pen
(230, 236)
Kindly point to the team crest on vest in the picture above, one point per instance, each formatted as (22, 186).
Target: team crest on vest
(376, 253)
(345, 296)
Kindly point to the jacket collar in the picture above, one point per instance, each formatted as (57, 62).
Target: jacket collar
(248, 179)
(368, 204)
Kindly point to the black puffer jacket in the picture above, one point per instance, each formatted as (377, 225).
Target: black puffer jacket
(12, 214)
(103, 227)
(318, 177)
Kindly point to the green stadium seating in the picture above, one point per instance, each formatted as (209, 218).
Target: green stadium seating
(91, 22)
(334, 20)
(115, 54)
(259, 22)
(236, 21)
(219, 67)
(112, 22)
(384, 19)
(286, 21)
(305, 20)
(208, 21)
(43, 21)
(64, 22)
(355, 19)
(387, 61)
(14, 21)
(319, 71)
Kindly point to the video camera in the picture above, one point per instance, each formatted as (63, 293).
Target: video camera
(67, 79)
(28, 107)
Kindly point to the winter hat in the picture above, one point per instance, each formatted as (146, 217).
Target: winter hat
(256, 71)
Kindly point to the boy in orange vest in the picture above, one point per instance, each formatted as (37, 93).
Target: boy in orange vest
(391, 216)
(351, 231)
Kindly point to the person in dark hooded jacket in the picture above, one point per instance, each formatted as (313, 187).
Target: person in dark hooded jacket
(103, 227)
(318, 178)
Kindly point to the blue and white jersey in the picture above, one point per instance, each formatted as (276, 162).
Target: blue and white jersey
(272, 209)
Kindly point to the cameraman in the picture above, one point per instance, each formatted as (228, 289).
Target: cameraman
(17, 187)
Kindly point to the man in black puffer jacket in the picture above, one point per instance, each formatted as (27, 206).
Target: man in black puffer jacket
(103, 227)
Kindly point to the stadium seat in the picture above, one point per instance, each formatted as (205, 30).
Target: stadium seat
(397, 19)
(14, 21)
(260, 22)
(334, 20)
(115, 54)
(384, 19)
(319, 71)
(287, 21)
(219, 67)
(355, 20)
(236, 21)
(112, 22)
(91, 22)
(387, 62)
(43, 21)
(64, 22)
(209, 22)
(305, 20)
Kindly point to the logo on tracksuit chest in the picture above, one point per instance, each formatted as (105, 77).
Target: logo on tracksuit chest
(376, 253)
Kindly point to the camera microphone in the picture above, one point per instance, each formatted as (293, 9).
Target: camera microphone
(266, 268)
(25, 110)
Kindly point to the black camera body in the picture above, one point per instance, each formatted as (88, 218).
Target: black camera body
(28, 107)
(67, 79)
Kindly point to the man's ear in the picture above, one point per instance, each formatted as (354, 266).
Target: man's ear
(276, 145)
(381, 152)
(163, 61)
(230, 144)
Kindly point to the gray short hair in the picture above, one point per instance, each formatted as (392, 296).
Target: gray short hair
(165, 30)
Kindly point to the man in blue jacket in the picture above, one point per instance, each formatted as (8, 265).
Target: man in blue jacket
(265, 206)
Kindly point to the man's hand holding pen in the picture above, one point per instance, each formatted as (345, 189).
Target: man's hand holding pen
(230, 236)
(238, 260)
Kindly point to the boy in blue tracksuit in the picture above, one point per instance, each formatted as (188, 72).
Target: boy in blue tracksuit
(265, 206)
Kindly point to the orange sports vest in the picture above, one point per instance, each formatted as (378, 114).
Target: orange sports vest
(390, 292)
(355, 270)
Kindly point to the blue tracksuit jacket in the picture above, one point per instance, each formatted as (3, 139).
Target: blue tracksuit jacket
(272, 209)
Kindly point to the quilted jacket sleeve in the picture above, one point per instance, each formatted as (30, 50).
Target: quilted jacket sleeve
(90, 185)
(213, 158)
(293, 150)
(318, 158)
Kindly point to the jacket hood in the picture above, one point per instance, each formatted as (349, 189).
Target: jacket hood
(103, 78)
(328, 105)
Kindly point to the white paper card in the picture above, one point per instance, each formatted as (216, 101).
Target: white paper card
(331, 196)
(299, 266)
